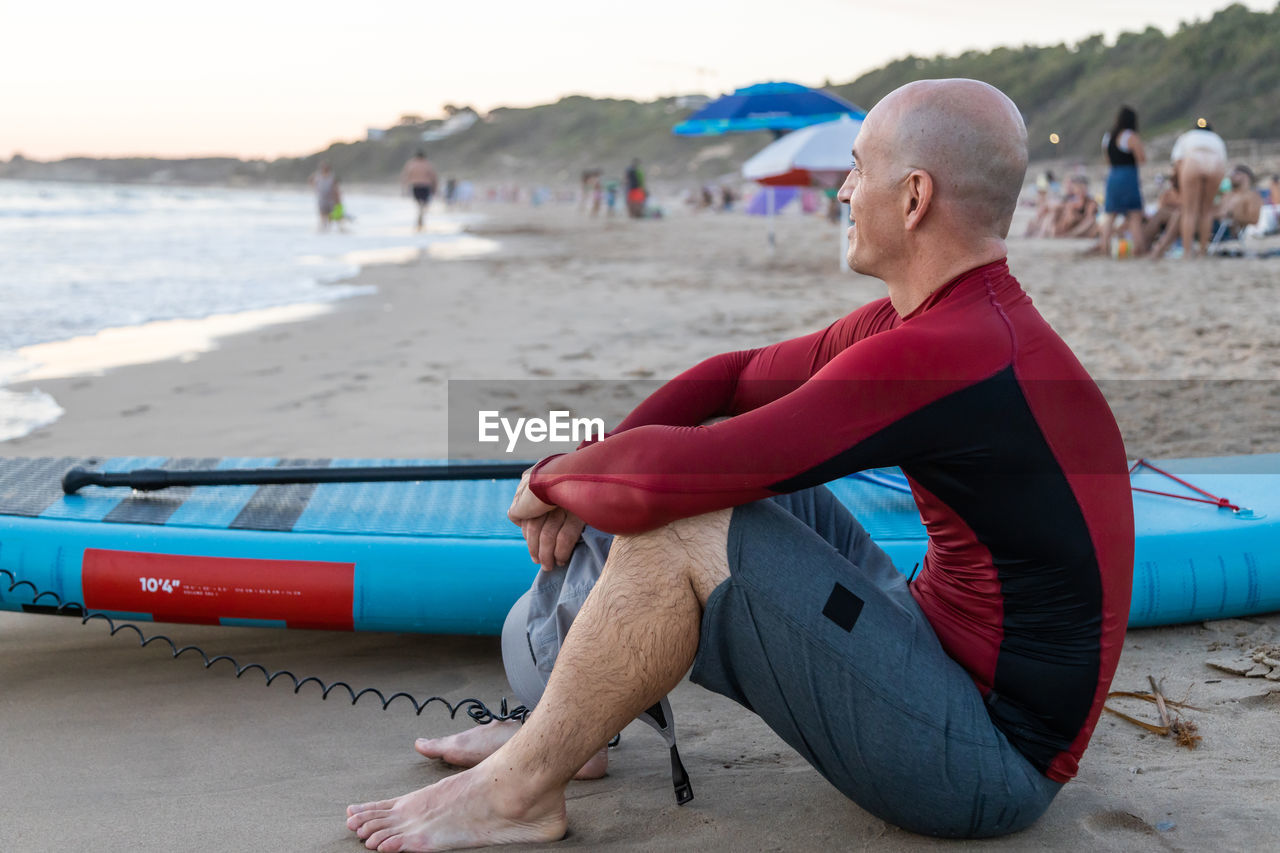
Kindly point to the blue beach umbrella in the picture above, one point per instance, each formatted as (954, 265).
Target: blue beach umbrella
(779, 107)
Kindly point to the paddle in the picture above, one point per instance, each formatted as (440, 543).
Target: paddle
(152, 479)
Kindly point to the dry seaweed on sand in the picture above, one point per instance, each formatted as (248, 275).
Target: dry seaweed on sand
(1183, 732)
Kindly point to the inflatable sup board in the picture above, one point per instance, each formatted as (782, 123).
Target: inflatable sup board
(440, 556)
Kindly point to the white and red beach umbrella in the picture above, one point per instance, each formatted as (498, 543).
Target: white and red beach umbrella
(817, 155)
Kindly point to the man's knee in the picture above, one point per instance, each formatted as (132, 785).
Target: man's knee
(688, 548)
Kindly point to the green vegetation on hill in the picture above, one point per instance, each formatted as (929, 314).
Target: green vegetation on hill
(1225, 69)
(549, 142)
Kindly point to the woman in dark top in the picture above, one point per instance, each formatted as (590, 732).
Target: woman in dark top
(1125, 154)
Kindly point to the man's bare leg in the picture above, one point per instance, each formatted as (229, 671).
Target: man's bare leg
(632, 642)
(469, 748)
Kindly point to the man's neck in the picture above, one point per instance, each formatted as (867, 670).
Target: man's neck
(923, 273)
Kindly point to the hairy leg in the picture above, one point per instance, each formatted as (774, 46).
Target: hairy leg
(635, 637)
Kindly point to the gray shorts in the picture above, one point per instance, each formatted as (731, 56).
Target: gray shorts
(817, 632)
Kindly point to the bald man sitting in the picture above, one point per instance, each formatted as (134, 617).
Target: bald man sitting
(956, 704)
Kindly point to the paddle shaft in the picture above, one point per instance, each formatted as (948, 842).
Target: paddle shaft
(152, 479)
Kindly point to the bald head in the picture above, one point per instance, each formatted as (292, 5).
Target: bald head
(971, 140)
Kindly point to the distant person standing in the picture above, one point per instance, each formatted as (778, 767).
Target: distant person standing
(419, 177)
(727, 198)
(636, 193)
(596, 188)
(328, 196)
(1200, 161)
(1125, 154)
(590, 180)
(464, 193)
(610, 197)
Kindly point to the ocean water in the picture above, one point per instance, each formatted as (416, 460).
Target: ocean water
(79, 258)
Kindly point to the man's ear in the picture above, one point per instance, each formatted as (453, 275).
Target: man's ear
(919, 197)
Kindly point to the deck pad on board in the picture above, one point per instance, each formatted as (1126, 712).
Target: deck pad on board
(441, 557)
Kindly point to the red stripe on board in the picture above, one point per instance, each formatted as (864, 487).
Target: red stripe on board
(181, 588)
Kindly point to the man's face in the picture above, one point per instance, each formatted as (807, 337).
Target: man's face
(870, 192)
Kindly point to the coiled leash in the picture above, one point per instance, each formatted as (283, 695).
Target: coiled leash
(478, 711)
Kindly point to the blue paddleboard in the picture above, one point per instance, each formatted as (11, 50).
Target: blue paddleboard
(440, 557)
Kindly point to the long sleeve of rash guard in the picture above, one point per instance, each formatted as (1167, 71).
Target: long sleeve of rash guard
(800, 410)
(736, 382)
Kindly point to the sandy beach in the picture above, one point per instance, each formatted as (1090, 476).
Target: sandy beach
(110, 747)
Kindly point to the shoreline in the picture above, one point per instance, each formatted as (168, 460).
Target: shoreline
(168, 755)
(27, 372)
(1170, 377)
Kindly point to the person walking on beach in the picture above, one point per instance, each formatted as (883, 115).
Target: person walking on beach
(636, 192)
(1124, 152)
(419, 177)
(956, 704)
(1200, 162)
(328, 195)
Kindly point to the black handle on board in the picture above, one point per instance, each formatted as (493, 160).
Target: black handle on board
(151, 479)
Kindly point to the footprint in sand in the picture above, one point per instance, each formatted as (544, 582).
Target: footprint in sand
(1121, 830)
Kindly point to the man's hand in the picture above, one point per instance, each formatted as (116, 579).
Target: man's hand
(550, 531)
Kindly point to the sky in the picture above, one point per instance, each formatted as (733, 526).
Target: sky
(271, 78)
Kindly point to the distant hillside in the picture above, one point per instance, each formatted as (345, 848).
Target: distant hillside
(1225, 69)
(550, 142)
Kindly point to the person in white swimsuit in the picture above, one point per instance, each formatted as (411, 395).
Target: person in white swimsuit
(1200, 161)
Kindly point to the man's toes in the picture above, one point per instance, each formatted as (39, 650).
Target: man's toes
(429, 747)
(382, 836)
(380, 805)
(394, 844)
(374, 822)
(358, 820)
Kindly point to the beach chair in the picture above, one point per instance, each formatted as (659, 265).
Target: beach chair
(1223, 232)
(1247, 241)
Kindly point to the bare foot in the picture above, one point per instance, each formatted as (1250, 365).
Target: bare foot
(471, 809)
(469, 748)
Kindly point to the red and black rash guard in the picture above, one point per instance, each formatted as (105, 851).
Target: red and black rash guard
(1013, 458)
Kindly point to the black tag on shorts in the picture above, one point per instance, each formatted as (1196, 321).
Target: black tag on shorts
(843, 607)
